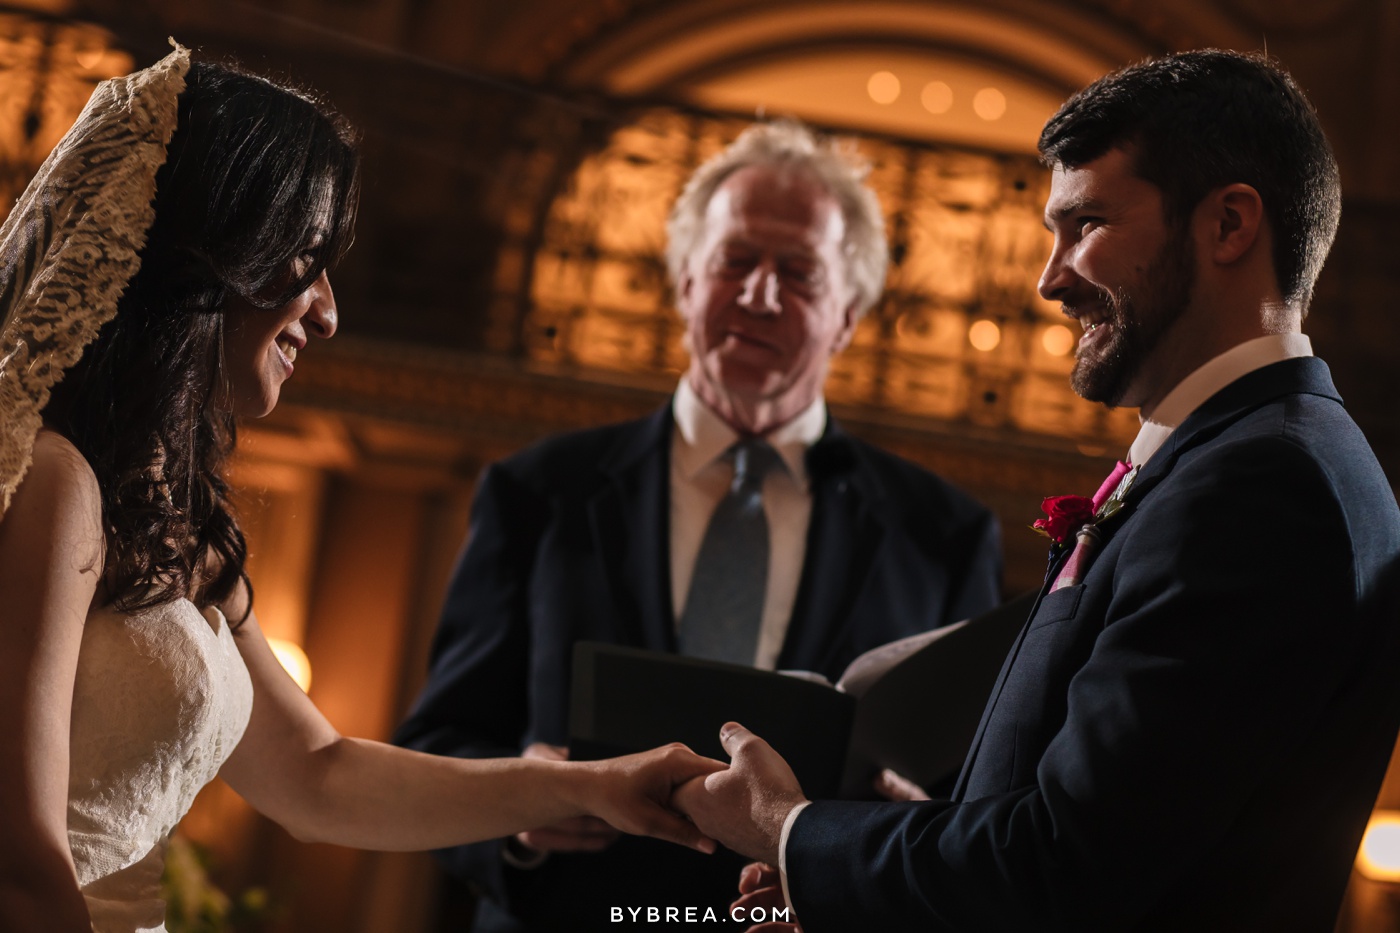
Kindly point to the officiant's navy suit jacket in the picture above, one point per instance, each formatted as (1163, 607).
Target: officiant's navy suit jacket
(570, 541)
(1193, 737)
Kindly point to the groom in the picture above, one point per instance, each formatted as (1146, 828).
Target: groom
(1191, 730)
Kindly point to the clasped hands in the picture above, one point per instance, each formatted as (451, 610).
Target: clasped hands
(743, 805)
(692, 800)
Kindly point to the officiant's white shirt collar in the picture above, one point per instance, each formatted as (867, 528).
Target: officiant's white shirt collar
(1193, 391)
(705, 436)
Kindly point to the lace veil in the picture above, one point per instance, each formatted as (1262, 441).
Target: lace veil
(72, 242)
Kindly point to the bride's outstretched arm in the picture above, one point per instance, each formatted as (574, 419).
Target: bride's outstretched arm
(294, 767)
(50, 562)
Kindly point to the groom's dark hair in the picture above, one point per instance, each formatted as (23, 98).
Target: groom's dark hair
(1197, 121)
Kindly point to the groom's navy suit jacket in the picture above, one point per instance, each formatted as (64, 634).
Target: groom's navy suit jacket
(570, 541)
(1190, 739)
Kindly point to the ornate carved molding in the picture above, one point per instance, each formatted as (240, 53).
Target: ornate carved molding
(457, 411)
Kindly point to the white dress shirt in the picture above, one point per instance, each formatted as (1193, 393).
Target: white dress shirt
(1188, 395)
(1193, 391)
(700, 477)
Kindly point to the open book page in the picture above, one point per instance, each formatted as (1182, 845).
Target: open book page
(871, 666)
(809, 676)
(920, 698)
(912, 705)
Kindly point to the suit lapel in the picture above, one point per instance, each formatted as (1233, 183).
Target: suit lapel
(1306, 375)
(843, 541)
(960, 785)
(630, 521)
(1302, 375)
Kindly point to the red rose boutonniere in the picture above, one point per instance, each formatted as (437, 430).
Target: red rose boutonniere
(1064, 516)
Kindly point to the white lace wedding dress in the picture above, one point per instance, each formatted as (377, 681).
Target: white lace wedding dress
(162, 698)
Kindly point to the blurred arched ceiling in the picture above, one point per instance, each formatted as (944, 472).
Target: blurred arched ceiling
(477, 118)
(466, 105)
(1346, 53)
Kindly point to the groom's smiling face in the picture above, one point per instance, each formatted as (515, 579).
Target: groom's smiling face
(1121, 271)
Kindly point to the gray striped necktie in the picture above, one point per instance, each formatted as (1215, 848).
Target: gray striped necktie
(724, 608)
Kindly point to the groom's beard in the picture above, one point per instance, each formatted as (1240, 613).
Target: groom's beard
(1138, 317)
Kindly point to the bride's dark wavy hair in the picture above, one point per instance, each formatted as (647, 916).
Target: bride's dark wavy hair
(256, 177)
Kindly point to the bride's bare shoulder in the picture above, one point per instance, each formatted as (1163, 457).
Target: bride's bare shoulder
(57, 461)
(60, 490)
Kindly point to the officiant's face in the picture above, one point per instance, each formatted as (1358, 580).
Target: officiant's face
(261, 345)
(1122, 272)
(765, 296)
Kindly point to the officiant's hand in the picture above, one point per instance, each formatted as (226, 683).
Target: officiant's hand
(743, 807)
(761, 890)
(580, 834)
(894, 786)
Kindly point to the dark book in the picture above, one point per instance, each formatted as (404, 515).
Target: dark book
(912, 705)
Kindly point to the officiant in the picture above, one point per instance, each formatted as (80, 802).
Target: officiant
(739, 522)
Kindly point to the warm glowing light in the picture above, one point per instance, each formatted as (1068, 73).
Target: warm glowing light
(293, 660)
(90, 58)
(883, 87)
(937, 97)
(989, 103)
(1379, 858)
(1057, 340)
(984, 335)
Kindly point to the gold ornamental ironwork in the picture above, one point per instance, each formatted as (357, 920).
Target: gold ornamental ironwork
(49, 67)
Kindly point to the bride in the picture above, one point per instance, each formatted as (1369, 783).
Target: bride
(132, 669)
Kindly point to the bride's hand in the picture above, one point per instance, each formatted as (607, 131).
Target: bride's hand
(633, 793)
(578, 834)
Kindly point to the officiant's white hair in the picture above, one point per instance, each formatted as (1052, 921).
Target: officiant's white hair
(835, 163)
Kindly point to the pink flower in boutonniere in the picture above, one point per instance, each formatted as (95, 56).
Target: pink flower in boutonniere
(1065, 515)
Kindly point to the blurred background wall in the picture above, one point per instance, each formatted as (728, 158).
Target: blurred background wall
(507, 280)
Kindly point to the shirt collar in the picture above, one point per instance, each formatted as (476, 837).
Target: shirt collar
(702, 436)
(1193, 391)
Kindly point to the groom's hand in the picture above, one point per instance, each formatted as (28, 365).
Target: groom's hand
(580, 834)
(743, 807)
